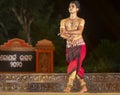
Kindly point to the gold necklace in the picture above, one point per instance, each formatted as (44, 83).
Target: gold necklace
(72, 22)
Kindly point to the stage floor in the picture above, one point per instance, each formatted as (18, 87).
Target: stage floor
(53, 93)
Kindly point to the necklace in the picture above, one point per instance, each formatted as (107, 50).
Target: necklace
(72, 23)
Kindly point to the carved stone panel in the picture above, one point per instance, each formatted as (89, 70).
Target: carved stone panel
(56, 82)
(44, 56)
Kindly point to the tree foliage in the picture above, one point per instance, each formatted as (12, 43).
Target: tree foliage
(15, 14)
(42, 18)
(105, 58)
(21, 14)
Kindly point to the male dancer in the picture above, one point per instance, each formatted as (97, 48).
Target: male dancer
(71, 29)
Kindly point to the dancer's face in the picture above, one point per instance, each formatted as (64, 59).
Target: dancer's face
(73, 8)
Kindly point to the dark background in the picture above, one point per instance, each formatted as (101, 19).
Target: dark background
(101, 33)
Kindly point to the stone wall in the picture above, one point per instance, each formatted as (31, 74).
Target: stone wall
(56, 82)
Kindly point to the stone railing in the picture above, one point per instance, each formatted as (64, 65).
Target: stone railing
(56, 82)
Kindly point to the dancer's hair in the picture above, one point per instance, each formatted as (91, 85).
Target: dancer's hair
(76, 2)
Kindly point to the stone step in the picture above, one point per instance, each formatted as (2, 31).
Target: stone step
(56, 82)
(53, 93)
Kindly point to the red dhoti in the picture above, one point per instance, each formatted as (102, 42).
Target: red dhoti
(75, 56)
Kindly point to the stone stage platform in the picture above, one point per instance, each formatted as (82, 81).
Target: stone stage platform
(44, 84)
(51, 93)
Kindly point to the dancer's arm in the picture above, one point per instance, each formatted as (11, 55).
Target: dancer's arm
(63, 32)
(79, 31)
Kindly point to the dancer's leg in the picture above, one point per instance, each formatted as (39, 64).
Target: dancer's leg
(82, 84)
(80, 72)
(70, 82)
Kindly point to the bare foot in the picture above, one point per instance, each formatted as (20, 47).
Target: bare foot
(67, 89)
(84, 89)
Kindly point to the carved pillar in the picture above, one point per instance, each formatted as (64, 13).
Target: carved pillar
(44, 56)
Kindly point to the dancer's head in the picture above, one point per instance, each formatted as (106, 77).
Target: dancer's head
(74, 6)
